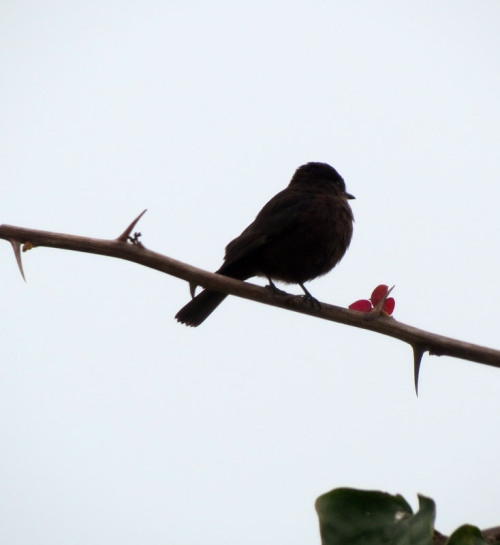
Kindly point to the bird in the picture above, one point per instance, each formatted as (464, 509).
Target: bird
(299, 235)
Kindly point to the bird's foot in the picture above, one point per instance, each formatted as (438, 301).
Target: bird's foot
(274, 290)
(309, 298)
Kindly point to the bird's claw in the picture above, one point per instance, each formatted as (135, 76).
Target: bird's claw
(274, 290)
(307, 297)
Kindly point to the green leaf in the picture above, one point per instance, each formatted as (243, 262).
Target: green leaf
(466, 535)
(351, 517)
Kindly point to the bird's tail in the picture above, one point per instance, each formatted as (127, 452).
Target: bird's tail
(200, 308)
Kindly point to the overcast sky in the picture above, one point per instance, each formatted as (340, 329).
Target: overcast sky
(119, 425)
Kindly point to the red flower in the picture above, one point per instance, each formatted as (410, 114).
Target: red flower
(365, 305)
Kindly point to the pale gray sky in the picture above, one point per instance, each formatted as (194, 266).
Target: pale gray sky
(119, 425)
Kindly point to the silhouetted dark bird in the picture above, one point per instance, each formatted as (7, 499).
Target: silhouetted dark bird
(300, 234)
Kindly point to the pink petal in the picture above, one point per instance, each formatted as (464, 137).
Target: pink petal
(389, 305)
(363, 305)
(378, 293)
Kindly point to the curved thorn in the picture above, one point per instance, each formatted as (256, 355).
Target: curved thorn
(16, 245)
(124, 236)
(418, 352)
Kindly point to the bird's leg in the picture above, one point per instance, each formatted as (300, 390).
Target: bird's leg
(308, 297)
(274, 289)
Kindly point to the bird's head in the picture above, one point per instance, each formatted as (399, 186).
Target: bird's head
(320, 173)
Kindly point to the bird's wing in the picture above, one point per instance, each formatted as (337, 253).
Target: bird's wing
(279, 216)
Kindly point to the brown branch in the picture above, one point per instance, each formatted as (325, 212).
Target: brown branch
(422, 341)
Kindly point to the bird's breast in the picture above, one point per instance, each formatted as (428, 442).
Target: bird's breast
(312, 242)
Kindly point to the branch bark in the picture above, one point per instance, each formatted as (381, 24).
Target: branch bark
(123, 247)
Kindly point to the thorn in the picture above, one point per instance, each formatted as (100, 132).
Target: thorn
(418, 352)
(192, 289)
(16, 245)
(124, 236)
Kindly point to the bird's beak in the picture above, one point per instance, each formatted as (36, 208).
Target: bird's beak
(349, 196)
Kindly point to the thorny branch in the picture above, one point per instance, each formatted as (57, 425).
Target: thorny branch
(130, 249)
